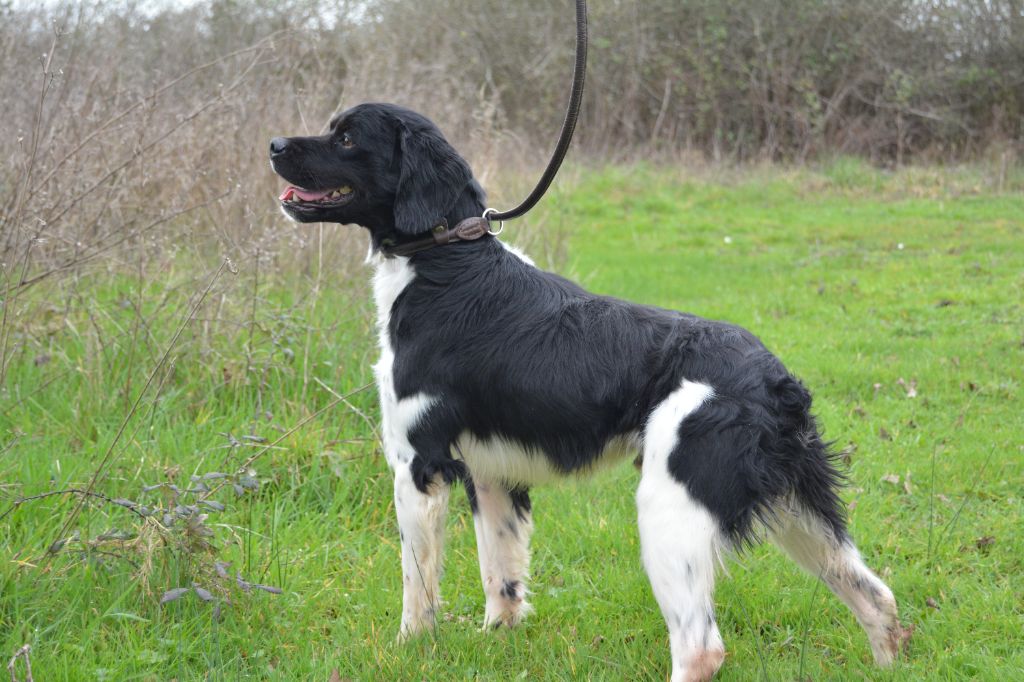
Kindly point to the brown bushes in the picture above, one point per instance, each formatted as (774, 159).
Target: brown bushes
(131, 123)
(886, 79)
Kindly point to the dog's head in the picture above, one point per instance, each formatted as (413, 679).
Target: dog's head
(380, 166)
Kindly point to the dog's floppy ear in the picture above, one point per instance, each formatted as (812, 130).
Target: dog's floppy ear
(432, 177)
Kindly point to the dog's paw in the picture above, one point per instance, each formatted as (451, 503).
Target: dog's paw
(408, 633)
(901, 639)
(414, 627)
(896, 643)
(701, 666)
(508, 614)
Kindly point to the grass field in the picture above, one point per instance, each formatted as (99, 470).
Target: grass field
(896, 297)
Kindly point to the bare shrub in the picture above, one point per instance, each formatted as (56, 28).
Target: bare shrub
(133, 125)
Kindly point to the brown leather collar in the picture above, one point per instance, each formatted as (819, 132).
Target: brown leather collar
(466, 230)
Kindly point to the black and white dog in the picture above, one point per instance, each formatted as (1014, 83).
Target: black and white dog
(500, 375)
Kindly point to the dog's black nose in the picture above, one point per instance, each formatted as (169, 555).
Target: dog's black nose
(278, 146)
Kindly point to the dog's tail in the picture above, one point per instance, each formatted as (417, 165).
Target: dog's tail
(808, 462)
(749, 453)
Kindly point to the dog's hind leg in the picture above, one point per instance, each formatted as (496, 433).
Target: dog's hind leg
(503, 523)
(680, 542)
(815, 547)
(421, 519)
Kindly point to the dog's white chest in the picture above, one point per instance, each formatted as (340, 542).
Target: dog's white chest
(398, 417)
(390, 278)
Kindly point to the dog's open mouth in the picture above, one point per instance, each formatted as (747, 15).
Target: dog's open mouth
(297, 196)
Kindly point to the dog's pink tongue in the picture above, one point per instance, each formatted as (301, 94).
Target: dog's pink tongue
(304, 194)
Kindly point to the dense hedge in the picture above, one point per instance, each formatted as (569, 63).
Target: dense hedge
(777, 79)
(767, 78)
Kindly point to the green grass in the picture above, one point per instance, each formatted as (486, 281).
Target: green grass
(864, 284)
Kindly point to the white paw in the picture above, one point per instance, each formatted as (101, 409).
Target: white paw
(506, 612)
(414, 627)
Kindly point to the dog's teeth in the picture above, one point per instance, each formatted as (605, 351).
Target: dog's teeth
(345, 190)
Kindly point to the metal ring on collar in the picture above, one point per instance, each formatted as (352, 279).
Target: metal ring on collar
(501, 223)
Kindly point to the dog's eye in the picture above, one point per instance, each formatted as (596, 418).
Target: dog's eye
(346, 140)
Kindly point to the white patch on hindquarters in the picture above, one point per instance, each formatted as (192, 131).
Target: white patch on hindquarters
(398, 417)
(680, 542)
(506, 461)
(662, 431)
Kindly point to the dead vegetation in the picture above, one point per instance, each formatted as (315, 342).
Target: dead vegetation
(125, 125)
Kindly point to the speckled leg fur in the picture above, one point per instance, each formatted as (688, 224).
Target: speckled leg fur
(421, 519)
(839, 565)
(503, 532)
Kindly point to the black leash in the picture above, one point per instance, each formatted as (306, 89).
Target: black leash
(474, 228)
(568, 125)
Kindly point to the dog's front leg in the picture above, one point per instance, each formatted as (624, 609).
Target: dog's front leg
(421, 519)
(503, 523)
